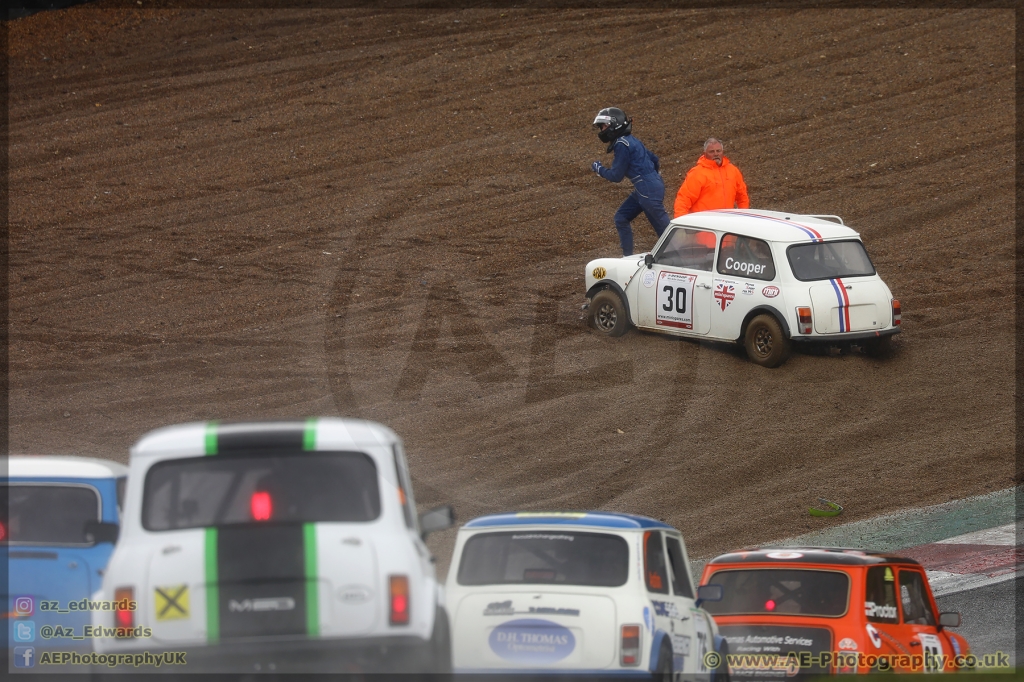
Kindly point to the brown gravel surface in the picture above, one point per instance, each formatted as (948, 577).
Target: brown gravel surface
(386, 214)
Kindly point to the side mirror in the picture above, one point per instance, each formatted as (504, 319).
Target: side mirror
(436, 519)
(100, 531)
(709, 593)
(949, 619)
(649, 260)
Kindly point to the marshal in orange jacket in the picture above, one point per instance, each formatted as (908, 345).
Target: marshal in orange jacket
(709, 186)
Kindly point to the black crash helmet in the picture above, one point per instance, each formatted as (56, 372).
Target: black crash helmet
(618, 124)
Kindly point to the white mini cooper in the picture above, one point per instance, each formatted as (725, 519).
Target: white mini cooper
(276, 546)
(760, 278)
(579, 593)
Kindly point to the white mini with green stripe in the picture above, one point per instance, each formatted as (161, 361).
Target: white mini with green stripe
(276, 546)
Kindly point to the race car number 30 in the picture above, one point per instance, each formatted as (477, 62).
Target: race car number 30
(675, 291)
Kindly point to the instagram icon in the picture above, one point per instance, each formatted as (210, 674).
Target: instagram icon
(23, 606)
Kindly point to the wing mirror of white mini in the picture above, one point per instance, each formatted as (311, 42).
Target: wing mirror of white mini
(649, 261)
(949, 619)
(709, 593)
(436, 519)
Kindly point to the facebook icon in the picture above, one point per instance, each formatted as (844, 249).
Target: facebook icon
(24, 656)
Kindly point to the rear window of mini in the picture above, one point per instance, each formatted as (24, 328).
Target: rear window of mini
(545, 557)
(300, 487)
(829, 260)
(781, 591)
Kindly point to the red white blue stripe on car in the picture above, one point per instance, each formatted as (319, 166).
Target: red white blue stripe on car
(844, 304)
(809, 231)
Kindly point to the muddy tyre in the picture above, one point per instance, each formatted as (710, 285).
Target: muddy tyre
(608, 313)
(765, 342)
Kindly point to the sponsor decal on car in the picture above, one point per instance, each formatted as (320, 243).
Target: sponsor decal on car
(876, 638)
(847, 644)
(532, 640)
(725, 292)
(261, 605)
(599, 272)
(675, 294)
(748, 289)
(770, 292)
(873, 610)
(354, 594)
(649, 619)
(648, 279)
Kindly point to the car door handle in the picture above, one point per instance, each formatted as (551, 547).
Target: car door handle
(704, 286)
(915, 644)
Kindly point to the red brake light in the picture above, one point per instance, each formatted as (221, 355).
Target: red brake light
(769, 605)
(261, 505)
(630, 645)
(124, 617)
(803, 319)
(399, 588)
(3, 532)
(897, 313)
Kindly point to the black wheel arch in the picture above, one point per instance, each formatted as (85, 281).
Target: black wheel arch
(761, 310)
(614, 286)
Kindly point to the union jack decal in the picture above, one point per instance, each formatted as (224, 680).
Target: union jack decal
(724, 293)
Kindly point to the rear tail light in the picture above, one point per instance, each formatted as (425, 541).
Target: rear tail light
(398, 586)
(630, 645)
(124, 617)
(803, 320)
(896, 313)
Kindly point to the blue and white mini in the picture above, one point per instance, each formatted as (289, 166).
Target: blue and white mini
(577, 593)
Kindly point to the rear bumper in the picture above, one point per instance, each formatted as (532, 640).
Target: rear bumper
(365, 655)
(846, 338)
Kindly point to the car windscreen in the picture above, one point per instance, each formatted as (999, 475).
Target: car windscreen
(295, 487)
(828, 260)
(48, 514)
(543, 557)
(781, 591)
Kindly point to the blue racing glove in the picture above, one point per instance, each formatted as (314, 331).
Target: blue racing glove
(596, 167)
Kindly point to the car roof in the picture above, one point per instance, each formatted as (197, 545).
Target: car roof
(63, 466)
(201, 438)
(773, 226)
(845, 556)
(593, 519)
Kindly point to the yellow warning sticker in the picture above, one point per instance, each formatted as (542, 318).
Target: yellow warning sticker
(171, 602)
(888, 575)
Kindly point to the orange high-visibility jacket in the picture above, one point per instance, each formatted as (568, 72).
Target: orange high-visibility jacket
(709, 186)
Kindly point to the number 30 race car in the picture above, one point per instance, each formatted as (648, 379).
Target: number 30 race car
(763, 279)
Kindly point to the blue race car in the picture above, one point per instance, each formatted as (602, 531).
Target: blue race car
(59, 520)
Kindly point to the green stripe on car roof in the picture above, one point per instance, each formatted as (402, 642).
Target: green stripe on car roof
(312, 583)
(212, 586)
(211, 438)
(309, 435)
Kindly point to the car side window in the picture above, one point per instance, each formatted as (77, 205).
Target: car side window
(745, 257)
(655, 569)
(680, 579)
(916, 609)
(880, 595)
(688, 248)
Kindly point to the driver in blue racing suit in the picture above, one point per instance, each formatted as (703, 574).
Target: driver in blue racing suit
(640, 165)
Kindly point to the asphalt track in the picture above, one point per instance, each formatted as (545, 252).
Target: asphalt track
(988, 616)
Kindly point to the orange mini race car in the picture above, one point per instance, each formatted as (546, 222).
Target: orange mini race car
(788, 611)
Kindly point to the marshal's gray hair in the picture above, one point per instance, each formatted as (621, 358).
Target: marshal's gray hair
(713, 139)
